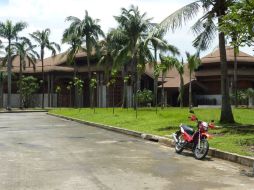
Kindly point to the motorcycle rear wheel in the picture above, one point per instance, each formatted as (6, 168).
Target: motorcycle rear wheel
(200, 153)
(178, 145)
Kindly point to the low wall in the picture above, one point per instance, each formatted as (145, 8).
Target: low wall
(35, 100)
(208, 99)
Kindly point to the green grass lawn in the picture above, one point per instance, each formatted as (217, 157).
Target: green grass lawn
(238, 138)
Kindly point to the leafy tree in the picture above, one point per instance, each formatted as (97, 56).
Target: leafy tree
(42, 40)
(238, 26)
(144, 97)
(193, 63)
(93, 86)
(27, 86)
(58, 91)
(112, 82)
(69, 88)
(250, 95)
(9, 31)
(205, 29)
(79, 84)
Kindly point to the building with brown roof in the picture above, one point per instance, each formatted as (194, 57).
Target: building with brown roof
(206, 79)
(59, 73)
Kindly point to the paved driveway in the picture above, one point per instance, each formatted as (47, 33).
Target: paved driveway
(38, 151)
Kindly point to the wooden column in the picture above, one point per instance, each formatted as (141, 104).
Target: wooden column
(49, 97)
(52, 90)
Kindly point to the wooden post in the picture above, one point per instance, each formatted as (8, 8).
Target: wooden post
(49, 97)
(52, 90)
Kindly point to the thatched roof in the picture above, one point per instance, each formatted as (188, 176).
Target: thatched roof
(214, 57)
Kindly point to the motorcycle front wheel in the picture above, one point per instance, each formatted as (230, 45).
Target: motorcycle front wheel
(179, 145)
(201, 152)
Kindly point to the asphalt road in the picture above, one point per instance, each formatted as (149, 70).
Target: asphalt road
(43, 152)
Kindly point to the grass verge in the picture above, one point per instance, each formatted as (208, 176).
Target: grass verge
(238, 138)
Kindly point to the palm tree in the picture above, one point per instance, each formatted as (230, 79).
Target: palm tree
(2, 76)
(90, 30)
(23, 49)
(205, 29)
(73, 37)
(193, 63)
(134, 26)
(180, 69)
(107, 52)
(42, 40)
(10, 31)
(167, 63)
(158, 44)
(120, 52)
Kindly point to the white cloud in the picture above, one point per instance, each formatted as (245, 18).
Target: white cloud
(40, 14)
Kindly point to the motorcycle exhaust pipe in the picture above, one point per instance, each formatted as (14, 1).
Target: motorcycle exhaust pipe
(174, 137)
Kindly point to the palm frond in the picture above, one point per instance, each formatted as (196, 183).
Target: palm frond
(184, 14)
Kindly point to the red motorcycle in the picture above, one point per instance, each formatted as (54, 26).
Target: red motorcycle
(197, 141)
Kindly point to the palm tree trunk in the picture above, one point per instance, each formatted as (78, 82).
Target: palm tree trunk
(162, 92)
(1, 90)
(43, 77)
(9, 76)
(75, 86)
(155, 84)
(124, 94)
(20, 83)
(190, 93)
(226, 111)
(181, 91)
(134, 81)
(89, 71)
(235, 78)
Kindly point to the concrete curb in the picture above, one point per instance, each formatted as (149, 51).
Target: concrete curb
(23, 111)
(243, 160)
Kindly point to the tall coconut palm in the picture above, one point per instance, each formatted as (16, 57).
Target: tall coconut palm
(193, 63)
(121, 56)
(42, 40)
(205, 28)
(158, 44)
(108, 51)
(23, 49)
(167, 63)
(2, 75)
(90, 30)
(135, 26)
(180, 69)
(9, 31)
(73, 37)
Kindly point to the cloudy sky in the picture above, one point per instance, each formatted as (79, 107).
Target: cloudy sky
(41, 14)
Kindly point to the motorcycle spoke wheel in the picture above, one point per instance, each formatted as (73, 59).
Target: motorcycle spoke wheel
(201, 152)
(179, 145)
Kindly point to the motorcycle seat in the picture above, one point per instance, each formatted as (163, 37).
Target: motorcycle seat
(188, 129)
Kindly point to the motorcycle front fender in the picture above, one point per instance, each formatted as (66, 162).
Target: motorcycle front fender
(207, 136)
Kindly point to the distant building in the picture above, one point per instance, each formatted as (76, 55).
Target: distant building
(205, 81)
